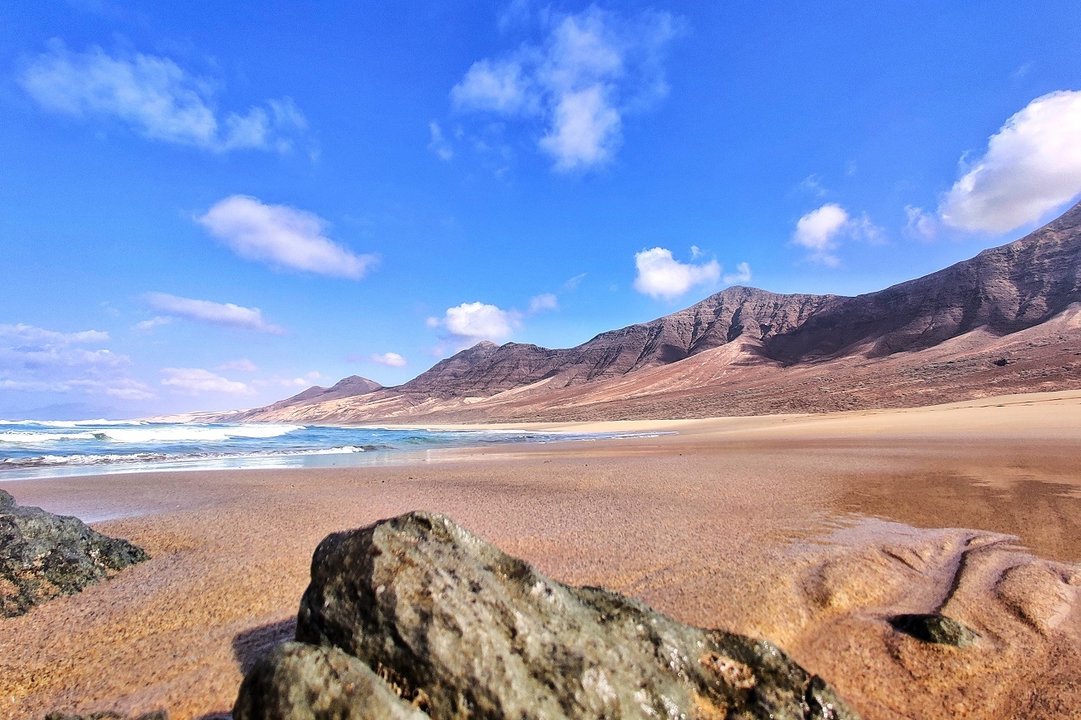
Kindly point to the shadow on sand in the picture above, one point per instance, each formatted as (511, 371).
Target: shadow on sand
(251, 645)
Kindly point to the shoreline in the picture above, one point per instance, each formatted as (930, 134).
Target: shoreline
(784, 527)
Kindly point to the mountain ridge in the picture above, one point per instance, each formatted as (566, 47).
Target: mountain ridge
(1000, 292)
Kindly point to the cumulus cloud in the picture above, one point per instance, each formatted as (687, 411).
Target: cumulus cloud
(215, 313)
(281, 236)
(742, 275)
(1032, 165)
(157, 98)
(196, 381)
(390, 359)
(820, 232)
(662, 276)
(590, 70)
(543, 302)
(469, 323)
(34, 359)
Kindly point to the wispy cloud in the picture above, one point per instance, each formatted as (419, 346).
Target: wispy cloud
(821, 231)
(157, 98)
(34, 335)
(437, 143)
(741, 276)
(1032, 165)
(240, 365)
(660, 275)
(198, 381)
(215, 313)
(281, 236)
(543, 303)
(590, 70)
(919, 224)
(390, 359)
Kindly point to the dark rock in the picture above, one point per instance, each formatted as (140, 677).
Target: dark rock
(44, 555)
(457, 628)
(934, 628)
(1001, 362)
(318, 682)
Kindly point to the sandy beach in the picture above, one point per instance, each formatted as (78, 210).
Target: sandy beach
(810, 530)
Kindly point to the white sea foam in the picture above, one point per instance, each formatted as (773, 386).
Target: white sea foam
(194, 433)
(35, 438)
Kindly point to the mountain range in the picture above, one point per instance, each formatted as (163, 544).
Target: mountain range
(1007, 320)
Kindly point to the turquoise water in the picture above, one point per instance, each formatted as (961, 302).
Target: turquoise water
(49, 449)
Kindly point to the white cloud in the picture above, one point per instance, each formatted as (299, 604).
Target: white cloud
(471, 322)
(818, 231)
(821, 231)
(30, 334)
(438, 144)
(499, 87)
(590, 70)
(662, 276)
(34, 359)
(390, 359)
(240, 365)
(214, 313)
(196, 381)
(542, 302)
(157, 98)
(1032, 165)
(306, 381)
(154, 322)
(920, 224)
(585, 131)
(742, 276)
(282, 236)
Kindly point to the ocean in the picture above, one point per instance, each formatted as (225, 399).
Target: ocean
(31, 449)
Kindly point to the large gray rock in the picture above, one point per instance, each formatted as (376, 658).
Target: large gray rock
(44, 555)
(456, 628)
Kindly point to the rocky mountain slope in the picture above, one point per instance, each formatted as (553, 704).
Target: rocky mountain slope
(1006, 320)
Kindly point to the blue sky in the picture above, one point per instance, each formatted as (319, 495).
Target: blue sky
(209, 206)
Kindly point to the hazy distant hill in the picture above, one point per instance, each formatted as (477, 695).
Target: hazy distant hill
(1007, 320)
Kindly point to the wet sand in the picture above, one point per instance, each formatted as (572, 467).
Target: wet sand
(809, 530)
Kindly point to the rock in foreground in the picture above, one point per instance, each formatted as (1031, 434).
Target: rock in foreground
(415, 617)
(44, 555)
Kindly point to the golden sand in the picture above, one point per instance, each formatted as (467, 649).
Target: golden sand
(810, 530)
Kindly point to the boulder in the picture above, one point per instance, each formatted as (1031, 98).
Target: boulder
(934, 628)
(44, 555)
(454, 628)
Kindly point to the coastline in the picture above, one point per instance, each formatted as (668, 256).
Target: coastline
(776, 526)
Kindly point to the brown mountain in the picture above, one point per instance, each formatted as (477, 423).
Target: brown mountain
(352, 386)
(1006, 320)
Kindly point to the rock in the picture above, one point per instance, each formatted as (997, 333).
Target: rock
(456, 628)
(934, 628)
(298, 680)
(44, 555)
